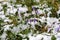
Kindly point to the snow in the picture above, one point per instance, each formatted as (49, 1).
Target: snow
(58, 11)
(23, 27)
(37, 0)
(7, 27)
(1, 12)
(13, 10)
(52, 22)
(47, 9)
(15, 30)
(47, 38)
(23, 9)
(1, 7)
(7, 20)
(40, 11)
(2, 16)
(42, 19)
(58, 36)
(33, 12)
(39, 37)
(3, 36)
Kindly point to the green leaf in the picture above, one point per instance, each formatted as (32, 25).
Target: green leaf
(53, 37)
(1, 21)
(26, 31)
(10, 35)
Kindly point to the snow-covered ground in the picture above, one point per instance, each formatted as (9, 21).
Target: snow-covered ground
(15, 19)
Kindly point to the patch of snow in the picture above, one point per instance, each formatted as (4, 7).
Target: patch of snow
(7, 27)
(1, 7)
(33, 12)
(51, 20)
(15, 30)
(23, 9)
(47, 38)
(37, 0)
(38, 37)
(7, 20)
(13, 11)
(2, 16)
(3, 36)
(58, 36)
(1, 12)
(40, 11)
(58, 11)
(47, 9)
(42, 19)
